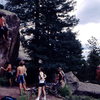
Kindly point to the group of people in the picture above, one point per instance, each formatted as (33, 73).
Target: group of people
(19, 76)
(21, 72)
(21, 69)
(42, 77)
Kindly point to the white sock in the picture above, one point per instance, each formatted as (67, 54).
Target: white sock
(37, 98)
(44, 98)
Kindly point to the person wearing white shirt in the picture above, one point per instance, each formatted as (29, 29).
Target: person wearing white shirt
(41, 86)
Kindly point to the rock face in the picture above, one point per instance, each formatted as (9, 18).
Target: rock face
(72, 81)
(82, 88)
(88, 89)
(9, 48)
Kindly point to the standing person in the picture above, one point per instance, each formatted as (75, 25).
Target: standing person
(21, 71)
(3, 27)
(41, 86)
(9, 73)
(98, 73)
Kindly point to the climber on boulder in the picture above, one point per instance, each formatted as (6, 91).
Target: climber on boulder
(3, 27)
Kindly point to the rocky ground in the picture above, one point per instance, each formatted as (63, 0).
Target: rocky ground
(14, 92)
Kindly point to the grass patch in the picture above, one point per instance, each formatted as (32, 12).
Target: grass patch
(64, 91)
(23, 97)
(26, 97)
(3, 81)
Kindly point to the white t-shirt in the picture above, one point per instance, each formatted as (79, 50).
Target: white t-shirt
(42, 77)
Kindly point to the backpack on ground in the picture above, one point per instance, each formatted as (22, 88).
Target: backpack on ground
(8, 98)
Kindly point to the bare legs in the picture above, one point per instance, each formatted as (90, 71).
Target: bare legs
(40, 89)
(21, 87)
(10, 82)
(44, 92)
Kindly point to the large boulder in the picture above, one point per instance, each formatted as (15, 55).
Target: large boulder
(82, 88)
(72, 81)
(88, 89)
(9, 49)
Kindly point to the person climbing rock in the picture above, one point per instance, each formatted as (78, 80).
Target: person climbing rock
(3, 28)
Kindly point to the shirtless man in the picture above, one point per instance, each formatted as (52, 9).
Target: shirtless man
(21, 71)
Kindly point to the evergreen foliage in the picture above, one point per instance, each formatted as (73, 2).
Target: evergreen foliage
(52, 41)
(93, 58)
(1, 6)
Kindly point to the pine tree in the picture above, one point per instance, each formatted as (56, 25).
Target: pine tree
(1, 6)
(93, 58)
(50, 44)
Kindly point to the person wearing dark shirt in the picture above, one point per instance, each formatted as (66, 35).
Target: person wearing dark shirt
(9, 73)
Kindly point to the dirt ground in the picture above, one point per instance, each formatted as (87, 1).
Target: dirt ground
(14, 92)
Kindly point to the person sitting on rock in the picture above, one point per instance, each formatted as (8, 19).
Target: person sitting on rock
(61, 75)
(3, 27)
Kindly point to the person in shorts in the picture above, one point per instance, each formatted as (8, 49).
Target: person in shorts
(41, 85)
(20, 76)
